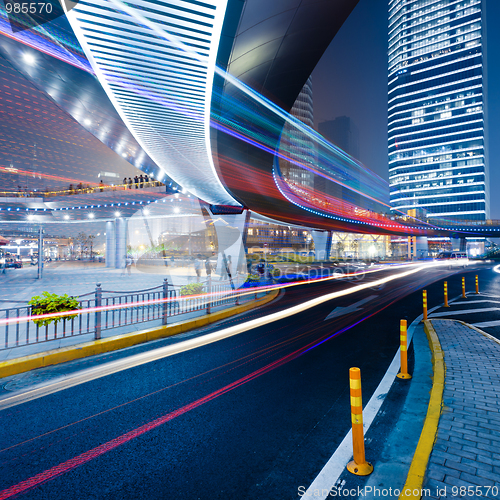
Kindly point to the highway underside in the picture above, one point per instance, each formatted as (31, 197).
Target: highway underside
(255, 415)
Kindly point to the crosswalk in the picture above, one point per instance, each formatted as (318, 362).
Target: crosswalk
(455, 310)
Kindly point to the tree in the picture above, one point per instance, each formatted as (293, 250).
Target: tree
(81, 241)
(90, 243)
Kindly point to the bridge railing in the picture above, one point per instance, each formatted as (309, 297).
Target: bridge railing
(451, 223)
(79, 189)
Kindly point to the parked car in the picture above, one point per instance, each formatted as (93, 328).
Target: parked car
(453, 259)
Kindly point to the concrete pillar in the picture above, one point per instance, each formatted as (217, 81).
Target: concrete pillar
(230, 229)
(456, 244)
(110, 244)
(463, 245)
(422, 247)
(322, 242)
(121, 243)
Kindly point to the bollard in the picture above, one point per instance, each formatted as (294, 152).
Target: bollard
(359, 465)
(424, 298)
(446, 294)
(463, 288)
(404, 351)
(477, 285)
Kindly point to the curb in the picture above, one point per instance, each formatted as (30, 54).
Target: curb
(487, 335)
(415, 478)
(86, 349)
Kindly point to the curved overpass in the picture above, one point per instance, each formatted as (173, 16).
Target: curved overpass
(205, 86)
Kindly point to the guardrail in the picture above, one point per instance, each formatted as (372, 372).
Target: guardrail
(103, 310)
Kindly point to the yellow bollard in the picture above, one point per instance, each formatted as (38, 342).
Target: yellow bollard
(359, 465)
(446, 294)
(463, 288)
(477, 285)
(404, 351)
(424, 297)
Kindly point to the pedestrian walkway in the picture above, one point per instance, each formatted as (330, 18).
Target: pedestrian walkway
(465, 461)
(79, 277)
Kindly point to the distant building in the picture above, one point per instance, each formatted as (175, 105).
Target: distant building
(343, 133)
(302, 148)
(437, 108)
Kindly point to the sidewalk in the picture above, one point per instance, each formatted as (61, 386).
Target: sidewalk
(79, 277)
(458, 456)
(466, 453)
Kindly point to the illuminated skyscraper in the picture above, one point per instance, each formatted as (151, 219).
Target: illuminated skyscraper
(302, 147)
(437, 108)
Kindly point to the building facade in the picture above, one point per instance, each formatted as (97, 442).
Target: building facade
(343, 132)
(437, 135)
(299, 145)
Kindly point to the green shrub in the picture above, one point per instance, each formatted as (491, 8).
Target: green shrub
(253, 277)
(192, 289)
(49, 303)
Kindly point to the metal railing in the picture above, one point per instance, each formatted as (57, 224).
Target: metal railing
(103, 310)
(79, 189)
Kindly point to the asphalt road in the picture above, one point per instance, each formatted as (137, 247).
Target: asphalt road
(255, 415)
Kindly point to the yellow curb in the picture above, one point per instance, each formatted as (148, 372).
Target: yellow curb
(85, 349)
(415, 478)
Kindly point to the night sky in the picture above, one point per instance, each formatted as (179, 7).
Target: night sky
(351, 80)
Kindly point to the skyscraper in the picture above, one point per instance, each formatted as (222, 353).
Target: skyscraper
(437, 108)
(343, 133)
(301, 146)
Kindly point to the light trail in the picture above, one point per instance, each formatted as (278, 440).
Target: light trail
(205, 297)
(102, 449)
(147, 357)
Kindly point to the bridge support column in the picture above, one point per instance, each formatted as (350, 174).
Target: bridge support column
(463, 245)
(322, 244)
(458, 244)
(121, 243)
(110, 244)
(230, 229)
(421, 247)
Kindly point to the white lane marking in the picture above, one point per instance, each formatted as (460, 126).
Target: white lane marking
(476, 302)
(163, 352)
(486, 324)
(340, 311)
(485, 295)
(329, 475)
(463, 311)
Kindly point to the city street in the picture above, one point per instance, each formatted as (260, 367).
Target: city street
(254, 415)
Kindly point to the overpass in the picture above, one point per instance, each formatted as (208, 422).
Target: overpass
(213, 116)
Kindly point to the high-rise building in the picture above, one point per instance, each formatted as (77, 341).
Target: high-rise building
(437, 108)
(343, 133)
(302, 148)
